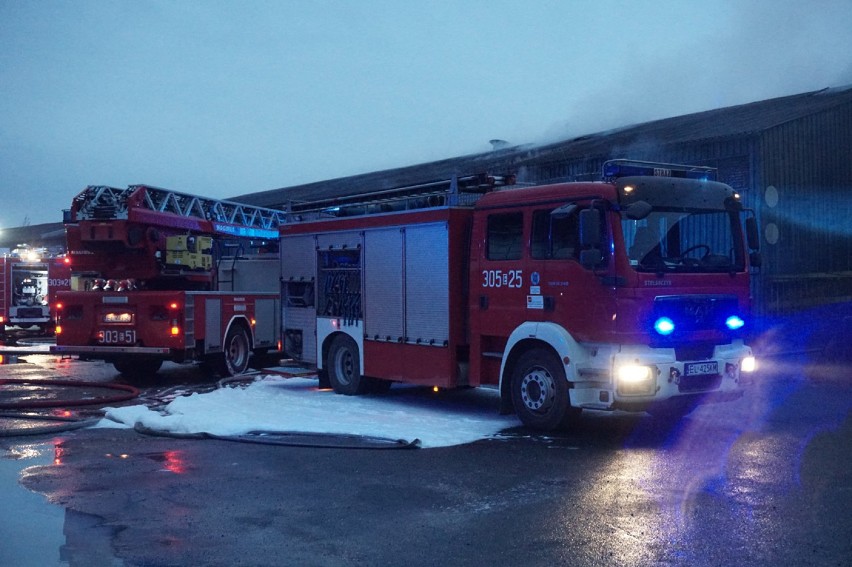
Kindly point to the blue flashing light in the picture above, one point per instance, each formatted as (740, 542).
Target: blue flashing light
(734, 322)
(664, 326)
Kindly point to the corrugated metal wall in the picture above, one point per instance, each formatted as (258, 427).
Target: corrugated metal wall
(805, 188)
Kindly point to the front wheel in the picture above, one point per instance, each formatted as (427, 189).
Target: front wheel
(540, 391)
(235, 358)
(344, 367)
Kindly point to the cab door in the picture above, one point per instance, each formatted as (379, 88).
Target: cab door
(573, 295)
(499, 288)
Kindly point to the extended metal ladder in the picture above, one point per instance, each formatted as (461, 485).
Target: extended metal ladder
(100, 202)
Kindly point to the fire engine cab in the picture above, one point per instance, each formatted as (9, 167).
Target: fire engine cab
(29, 280)
(161, 275)
(629, 293)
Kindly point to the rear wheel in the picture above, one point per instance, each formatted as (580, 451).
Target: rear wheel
(540, 391)
(344, 367)
(235, 358)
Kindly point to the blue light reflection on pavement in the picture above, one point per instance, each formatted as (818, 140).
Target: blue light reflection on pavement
(728, 468)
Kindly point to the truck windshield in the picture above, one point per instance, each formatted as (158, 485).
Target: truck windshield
(684, 240)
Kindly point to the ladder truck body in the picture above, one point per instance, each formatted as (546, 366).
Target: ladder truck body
(160, 275)
(631, 293)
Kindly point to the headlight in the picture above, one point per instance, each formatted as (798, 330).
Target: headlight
(748, 364)
(633, 373)
(635, 380)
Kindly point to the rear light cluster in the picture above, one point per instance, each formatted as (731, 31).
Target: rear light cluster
(175, 329)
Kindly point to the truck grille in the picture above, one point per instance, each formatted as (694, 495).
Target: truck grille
(696, 312)
(694, 351)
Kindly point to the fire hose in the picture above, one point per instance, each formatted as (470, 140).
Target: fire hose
(59, 422)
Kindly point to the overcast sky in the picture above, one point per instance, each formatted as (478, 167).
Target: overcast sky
(222, 98)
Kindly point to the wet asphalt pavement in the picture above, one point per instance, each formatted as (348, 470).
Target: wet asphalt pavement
(765, 480)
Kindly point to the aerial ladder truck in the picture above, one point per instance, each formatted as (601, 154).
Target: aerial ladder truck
(158, 275)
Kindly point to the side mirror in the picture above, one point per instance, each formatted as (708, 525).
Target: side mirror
(590, 238)
(752, 233)
(590, 228)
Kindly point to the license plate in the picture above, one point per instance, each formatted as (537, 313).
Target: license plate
(117, 337)
(700, 368)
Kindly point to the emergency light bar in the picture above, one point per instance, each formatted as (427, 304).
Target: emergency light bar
(615, 168)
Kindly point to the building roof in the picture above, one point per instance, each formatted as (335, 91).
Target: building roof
(734, 121)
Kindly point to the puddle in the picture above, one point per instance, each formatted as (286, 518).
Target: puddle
(31, 533)
(36, 532)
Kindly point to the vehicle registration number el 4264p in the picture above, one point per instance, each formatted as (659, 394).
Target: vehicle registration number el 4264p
(700, 368)
(117, 337)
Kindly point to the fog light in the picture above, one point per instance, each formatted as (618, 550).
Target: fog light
(748, 364)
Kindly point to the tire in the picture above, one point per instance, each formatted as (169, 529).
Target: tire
(236, 352)
(137, 368)
(540, 391)
(344, 367)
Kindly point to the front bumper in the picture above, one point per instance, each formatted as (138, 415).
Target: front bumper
(639, 377)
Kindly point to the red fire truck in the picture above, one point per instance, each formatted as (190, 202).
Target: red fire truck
(29, 280)
(631, 293)
(160, 275)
